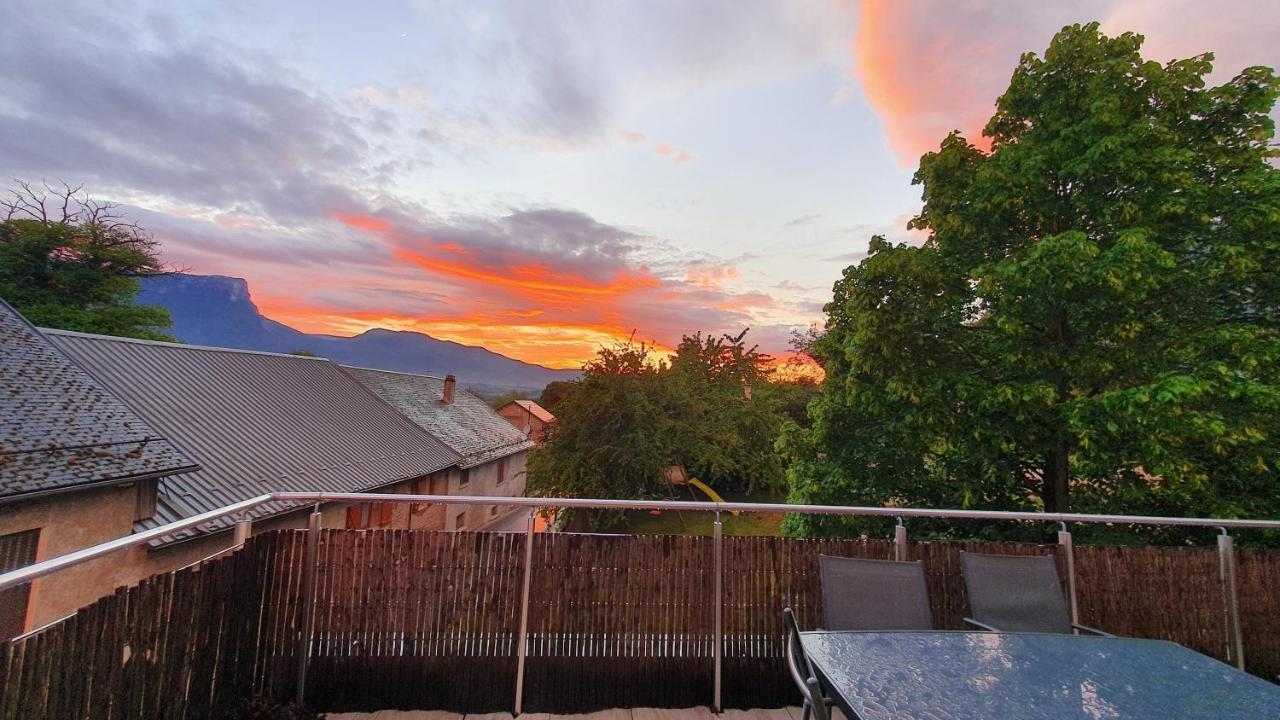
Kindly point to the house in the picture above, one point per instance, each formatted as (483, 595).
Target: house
(260, 422)
(77, 468)
(493, 452)
(531, 418)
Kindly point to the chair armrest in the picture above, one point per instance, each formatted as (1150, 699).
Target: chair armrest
(1091, 631)
(980, 626)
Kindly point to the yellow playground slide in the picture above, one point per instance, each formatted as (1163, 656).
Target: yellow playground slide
(715, 496)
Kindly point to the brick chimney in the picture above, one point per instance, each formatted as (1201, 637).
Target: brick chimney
(449, 384)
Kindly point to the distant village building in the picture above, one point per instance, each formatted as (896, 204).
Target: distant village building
(493, 452)
(77, 468)
(529, 417)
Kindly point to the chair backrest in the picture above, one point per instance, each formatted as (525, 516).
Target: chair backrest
(801, 672)
(862, 594)
(1016, 593)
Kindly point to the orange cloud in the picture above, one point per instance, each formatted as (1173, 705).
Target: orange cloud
(632, 136)
(533, 278)
(363, 222)
(517, 298)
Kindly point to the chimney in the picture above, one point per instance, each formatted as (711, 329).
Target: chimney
(449, 382)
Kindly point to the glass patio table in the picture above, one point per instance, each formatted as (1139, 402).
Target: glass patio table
(944, 675)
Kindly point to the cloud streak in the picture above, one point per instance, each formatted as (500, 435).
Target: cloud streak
(933, 66)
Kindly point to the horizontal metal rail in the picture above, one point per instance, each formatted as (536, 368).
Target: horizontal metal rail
(31, 572)
(62, 562)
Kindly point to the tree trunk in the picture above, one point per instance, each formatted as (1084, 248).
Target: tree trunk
(1056, 492)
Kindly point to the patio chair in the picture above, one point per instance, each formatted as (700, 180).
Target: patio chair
(807, 682)
(1017, 593)
(862, 594)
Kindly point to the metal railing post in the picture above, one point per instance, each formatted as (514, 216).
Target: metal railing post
(1069, 554)
(900, 541)
(522, 642)
(1230, 598)
(717, 706)
(308, 602)
(243, 529)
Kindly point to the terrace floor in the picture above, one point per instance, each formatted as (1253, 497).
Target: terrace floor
(696, 713)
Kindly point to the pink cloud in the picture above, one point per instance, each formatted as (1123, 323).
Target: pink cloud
(632, 137)
(932, 66)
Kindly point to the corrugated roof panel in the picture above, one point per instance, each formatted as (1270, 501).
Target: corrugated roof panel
(60, 428)
(259, 422)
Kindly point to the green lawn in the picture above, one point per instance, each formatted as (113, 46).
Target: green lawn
(640, 522)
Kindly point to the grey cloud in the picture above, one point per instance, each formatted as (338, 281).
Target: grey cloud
(188, 122)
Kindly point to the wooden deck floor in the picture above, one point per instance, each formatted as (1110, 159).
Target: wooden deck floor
(697, 713)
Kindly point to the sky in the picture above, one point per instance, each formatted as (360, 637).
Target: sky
(538, 178)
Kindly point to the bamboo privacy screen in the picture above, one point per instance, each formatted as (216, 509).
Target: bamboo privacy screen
(430, 620)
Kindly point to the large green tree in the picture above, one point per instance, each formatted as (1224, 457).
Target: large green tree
(69, 262)
(1092, 323)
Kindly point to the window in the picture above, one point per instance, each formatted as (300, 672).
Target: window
(365, 515)
(16, 550)
(145, 506)
(460, 522)
(502, 471)
(357, 516)
(466, 478)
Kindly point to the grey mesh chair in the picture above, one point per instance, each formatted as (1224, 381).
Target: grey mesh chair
(862, 594)
(807, 682)
(1017, 593)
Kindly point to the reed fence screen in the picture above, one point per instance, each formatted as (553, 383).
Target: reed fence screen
(427, 620)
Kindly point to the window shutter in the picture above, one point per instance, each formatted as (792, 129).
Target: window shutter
(386, 514)
(353, 517)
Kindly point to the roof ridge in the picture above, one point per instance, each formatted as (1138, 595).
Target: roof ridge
(180, 345)
(393, 372)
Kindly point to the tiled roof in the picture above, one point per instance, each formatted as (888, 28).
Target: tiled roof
(536, 410)
(259, 422)
(60, 428)
(468, 424)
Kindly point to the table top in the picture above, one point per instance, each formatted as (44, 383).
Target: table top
(943, 675)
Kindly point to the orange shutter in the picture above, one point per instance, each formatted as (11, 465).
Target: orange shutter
(353, 517)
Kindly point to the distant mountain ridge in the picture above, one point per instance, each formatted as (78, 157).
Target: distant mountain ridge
(218, 311)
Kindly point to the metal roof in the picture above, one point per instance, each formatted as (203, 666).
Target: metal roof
(259, 422)
(60, 428)
(536, 410)
(468, 425)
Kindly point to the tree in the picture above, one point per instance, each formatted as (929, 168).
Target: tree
(554, 392)
(1092, 323)
(70, 262)
(726, 427)
(611, 436)
(630, 418)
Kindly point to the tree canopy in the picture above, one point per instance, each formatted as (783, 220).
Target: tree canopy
(69, 262)
(1091, 323)
(618, 430)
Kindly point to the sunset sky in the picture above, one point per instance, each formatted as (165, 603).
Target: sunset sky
(535, 177)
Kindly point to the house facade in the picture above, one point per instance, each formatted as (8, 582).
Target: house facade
(257, 423)
(529, 418)
(492, 452)
(77, 468)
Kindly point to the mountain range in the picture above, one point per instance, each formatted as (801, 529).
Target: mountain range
(218, 311)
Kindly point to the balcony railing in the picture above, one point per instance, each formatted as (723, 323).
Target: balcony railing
(559, 622)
